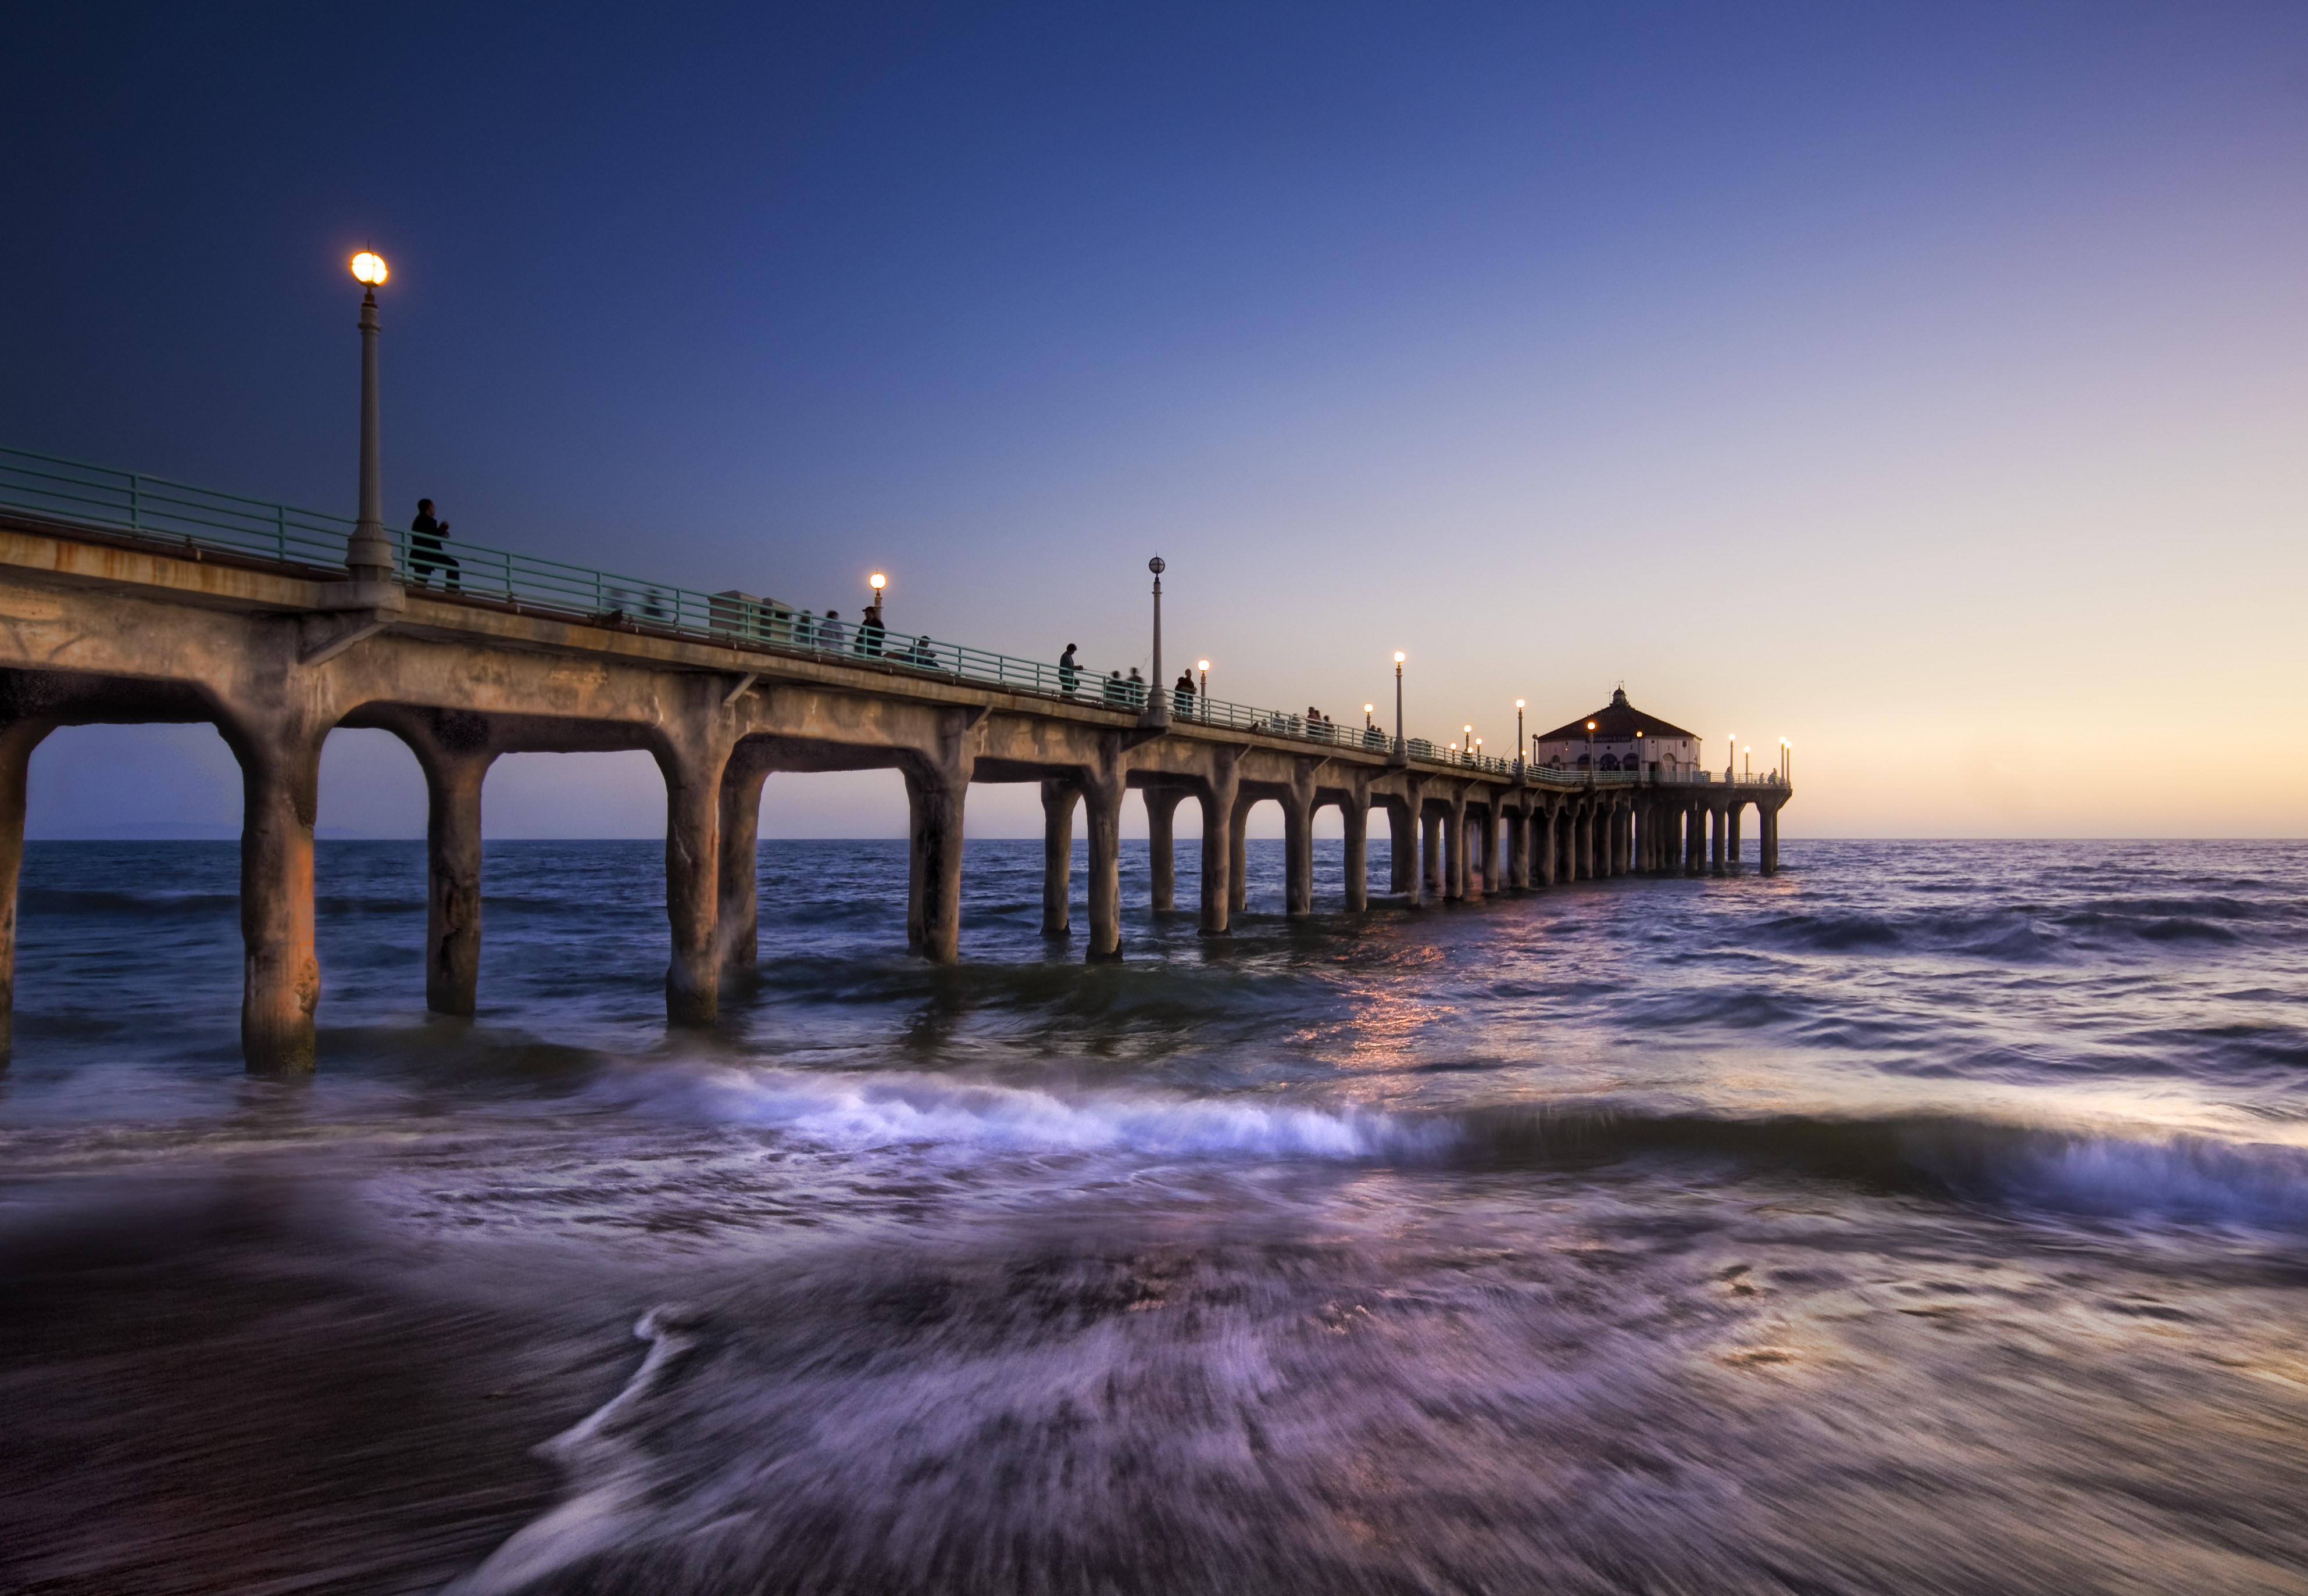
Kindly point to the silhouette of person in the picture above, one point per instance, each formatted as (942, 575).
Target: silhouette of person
(1182, 695)
(424, 555)
(1067, 672)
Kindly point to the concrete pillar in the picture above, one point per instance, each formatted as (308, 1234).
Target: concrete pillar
(1766, 817)
(1694, 840)
(279, 756)
(936, 794)
(693, 767)
(1059, 797)
(1238, 856)
(1102, 794)
(739, 891)
(452, 887)
(1355, 813)
(1544, 823)
(1454, 848)
(1217, 801)
(1519, 845)
(1430, 857)
(1493, 816)
(1622, 839)
(1480, 843)
(1161, 856)
(1737, 808)
(1722, 823)
(1582, 843)
(1403, 861)
(18, 739)
(1298, 842)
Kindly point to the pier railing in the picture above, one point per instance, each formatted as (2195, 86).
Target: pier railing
(181, 516)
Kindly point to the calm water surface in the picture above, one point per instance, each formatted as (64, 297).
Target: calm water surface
(1930, 1218)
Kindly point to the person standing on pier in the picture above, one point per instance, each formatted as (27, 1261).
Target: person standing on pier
(870, 630)
(830, 635)
(424, 555)
(1182, 696)
(1068, 672)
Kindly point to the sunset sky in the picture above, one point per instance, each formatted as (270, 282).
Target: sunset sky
(1926, 385)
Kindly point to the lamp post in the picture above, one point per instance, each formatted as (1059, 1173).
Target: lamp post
(1731, 760)
(1158, 708)
(1204, 666)
(1786, 763)
(1518, 736)
(1590, 753)
(877, 581)
(368, 553)
(1748, 760)
(1468, 747)
(1402, 749)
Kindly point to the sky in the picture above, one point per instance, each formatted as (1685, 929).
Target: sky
(1926, 384)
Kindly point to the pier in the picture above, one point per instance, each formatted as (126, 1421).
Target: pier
(130, 598)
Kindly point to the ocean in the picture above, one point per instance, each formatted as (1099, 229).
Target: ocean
(1930, 1217)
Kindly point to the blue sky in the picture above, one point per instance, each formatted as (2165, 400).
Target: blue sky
(1926, 385)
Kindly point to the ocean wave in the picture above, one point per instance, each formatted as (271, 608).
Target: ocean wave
(2113, 1173)
(857, 1112)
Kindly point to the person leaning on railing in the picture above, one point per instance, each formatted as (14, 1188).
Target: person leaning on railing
(1068, 672)
(1182, 696)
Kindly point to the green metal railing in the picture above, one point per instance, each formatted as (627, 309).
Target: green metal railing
(159, 511)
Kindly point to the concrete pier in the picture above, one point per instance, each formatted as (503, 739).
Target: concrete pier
(101, 626)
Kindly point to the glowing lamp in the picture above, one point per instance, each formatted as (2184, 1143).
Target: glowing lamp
(369, 268)
(1399, 657)
(877, 581)
(1202, 664)
(1518, 703)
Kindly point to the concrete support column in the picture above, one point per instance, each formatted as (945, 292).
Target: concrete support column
(739, 891)
(935, 798)
(1161, 856)
(1238, 856)
(1721, 816)
(1102, 794)
(1737, 808)
(1355, 813)
(1402, 859)
(452, 888)
(1518, 846)
(1694, 840)
(1298, 842)
(1429, 885)
(1622, 839)
(1767, 819)
(279, 756)
(18, 739)
(1059, 797)
(1218, 848)
(1544, 823)
(1481, 834)
(1454, 848)
(692, 767)
(1582, 843)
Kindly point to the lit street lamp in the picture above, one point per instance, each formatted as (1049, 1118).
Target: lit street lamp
(1204, 666)
(1402, 749)
(1518, 731)
(1468, 733)
(368, 555)
(1731, 760)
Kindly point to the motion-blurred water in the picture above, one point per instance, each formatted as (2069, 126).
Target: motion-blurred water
(1931, 1217)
